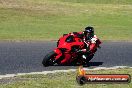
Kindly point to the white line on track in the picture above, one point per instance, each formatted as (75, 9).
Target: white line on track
(54, 71)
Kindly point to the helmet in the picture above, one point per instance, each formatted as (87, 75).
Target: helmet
(89, 32)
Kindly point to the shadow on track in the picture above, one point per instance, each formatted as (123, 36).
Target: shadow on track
(94, 64)
(89, 65)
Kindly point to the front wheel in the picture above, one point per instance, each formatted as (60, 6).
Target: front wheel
(49, 59)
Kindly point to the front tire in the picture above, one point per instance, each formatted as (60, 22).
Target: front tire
(49, 59)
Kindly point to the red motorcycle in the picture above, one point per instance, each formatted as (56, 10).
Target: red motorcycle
(68, 52)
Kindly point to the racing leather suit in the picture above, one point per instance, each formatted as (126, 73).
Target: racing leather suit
(91, 44)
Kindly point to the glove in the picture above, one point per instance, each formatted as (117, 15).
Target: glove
(82, 51)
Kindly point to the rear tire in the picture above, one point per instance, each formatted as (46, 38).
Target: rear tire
(48, 59)
(88, 59)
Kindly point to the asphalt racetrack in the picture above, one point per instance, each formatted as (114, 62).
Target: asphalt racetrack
(25, 57)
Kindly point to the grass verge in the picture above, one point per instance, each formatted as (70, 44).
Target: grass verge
(49, 19)
(62, 80)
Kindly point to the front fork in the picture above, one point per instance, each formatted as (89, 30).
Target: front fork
(60, 57)
(58, 52)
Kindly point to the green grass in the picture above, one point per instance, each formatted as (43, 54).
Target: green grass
(63, 80)
(49, 19)
(100, 1)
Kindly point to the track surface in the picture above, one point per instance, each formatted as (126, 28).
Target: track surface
(24, 57)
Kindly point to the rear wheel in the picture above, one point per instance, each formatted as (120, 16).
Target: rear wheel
(88, 59)
(49, 59)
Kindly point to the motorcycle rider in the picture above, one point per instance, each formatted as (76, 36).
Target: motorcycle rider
(91, 42)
